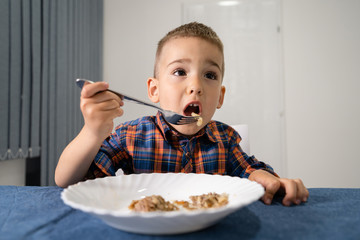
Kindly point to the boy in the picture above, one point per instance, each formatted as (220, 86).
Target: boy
(188, 73)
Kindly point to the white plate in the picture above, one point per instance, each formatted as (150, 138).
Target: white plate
(108, 198)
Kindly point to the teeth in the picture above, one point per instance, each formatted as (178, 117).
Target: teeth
(194, 105)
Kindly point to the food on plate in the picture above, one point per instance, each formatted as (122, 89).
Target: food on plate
(158, 203)
(210, 200)
(151, 204)
(199, 119)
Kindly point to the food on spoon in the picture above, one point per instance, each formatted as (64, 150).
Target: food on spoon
(199, 119)
(151, 204)
(158, 203)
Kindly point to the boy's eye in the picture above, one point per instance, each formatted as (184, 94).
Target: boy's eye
(211, 75)
(179, 72)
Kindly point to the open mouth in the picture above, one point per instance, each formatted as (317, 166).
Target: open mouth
(192, 108)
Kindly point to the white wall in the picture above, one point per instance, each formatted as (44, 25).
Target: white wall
(12, 172)
(321, 73)
(322, 69)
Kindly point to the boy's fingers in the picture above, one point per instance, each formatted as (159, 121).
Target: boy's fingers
(303, 193)
(109, 105)
(112, 114)
(291, 191)
(107, 96)
(295, 191)
(268, 181)
(270, 191)
(90, 89)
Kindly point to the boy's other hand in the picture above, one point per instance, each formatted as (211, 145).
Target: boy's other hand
(293, 190)
(99, 108)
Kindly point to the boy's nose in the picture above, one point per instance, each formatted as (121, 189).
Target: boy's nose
(196, 90)
(195, 87)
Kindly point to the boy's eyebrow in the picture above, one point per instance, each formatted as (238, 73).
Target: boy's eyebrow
(183, 60)
(213, 63)
(179, 61)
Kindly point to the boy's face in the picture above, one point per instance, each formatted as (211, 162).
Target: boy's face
(189, 79)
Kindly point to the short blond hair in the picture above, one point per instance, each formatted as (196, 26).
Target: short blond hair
(193, 29)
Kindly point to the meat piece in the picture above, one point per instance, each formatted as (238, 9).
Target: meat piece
(210, 200)
(152, 203)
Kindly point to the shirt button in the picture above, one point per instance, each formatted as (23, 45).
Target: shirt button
(188, 155)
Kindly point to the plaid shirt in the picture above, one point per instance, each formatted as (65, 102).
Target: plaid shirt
(149, 145)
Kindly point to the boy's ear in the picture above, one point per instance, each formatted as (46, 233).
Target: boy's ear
(153, 89)
(221, 98)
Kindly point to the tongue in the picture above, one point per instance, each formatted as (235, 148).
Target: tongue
(191, 109)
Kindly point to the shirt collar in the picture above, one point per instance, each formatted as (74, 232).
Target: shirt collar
(211, 129)
(168, 133)
(163, 126)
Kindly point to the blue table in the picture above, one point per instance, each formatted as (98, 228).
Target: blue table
(39, 213)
